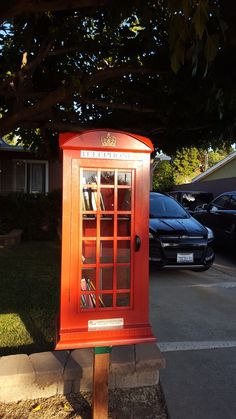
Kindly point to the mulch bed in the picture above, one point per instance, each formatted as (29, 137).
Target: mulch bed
(140, 403)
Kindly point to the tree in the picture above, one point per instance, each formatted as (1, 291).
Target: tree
(215, 157)
(149, 67)
(186, 165)
(209, 158)
(163, 180)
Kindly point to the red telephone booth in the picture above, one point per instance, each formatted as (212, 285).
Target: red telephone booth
(105, 240)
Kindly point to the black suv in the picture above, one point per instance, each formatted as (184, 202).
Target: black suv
(192, 199)
(220, 216)
(176, 239)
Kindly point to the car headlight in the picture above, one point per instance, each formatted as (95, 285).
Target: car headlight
(210, 234)
(151, 235)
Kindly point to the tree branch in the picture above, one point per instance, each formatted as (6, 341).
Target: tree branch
(13, 8)
(111, 105)
(28, 68)
(112, 73)
(8, 123)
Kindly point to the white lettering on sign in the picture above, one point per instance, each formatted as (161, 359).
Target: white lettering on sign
(104, 324)
(115, 155)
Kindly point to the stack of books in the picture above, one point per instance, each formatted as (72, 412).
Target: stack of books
(88, 300)
(90, 199)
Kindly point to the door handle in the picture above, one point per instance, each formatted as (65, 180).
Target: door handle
(137, 242)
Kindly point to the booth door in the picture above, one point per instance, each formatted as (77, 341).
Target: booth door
(109, 234)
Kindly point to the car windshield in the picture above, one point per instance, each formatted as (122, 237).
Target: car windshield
(165, 207)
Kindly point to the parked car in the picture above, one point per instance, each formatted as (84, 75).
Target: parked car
(177, 239)
(192, 199)
(220, 216)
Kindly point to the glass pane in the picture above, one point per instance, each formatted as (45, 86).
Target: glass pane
(107, 199)
(123, 300)
(19, 176)
(106, 300)
(102, 204)
(89, 251)
(89, 227)
(107, 226)
(88, 281)
(124, 199)
(124, 178)
(106, 251)
(107, 177)
(87, 301)
(123, 251)
(89, 201)
(37, 177)
(89, 176)
(232, 205)
(86, 205)
(123, 227)
(106, 279)
(123, 277)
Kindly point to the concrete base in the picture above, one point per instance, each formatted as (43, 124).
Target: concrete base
(47, 374)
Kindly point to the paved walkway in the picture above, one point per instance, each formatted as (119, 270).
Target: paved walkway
(200, 384)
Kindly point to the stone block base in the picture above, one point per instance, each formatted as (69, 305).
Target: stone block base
(47, 374)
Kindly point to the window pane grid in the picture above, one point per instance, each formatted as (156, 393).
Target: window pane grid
(100, 225)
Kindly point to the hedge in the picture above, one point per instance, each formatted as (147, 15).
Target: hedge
(37, 215)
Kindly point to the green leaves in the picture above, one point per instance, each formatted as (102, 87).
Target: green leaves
(186, 165)
(200, 17)
(77, 62)
(163, 177)
(211, 49)
(135, 26)
(195, 31)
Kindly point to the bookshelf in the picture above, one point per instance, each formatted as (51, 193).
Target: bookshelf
(104, 274)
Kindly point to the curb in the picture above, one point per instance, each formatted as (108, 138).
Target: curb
(47, 374)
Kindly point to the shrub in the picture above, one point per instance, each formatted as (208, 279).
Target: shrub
(37, 215)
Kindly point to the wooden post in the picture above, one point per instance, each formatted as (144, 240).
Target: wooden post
(101, 359)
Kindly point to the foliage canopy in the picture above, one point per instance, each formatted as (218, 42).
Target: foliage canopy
(164, 69)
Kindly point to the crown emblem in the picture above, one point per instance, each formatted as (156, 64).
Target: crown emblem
(108, 140)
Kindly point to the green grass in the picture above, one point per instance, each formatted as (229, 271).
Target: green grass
(29, 296)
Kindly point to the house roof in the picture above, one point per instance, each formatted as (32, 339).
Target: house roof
(216, 167)
(4, 146)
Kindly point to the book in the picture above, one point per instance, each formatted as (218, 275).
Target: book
(87, 300)
(92, 287)
(93, 197)
(102, 205)
(86, 200)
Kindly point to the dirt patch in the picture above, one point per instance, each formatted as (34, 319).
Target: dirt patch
(140, 403)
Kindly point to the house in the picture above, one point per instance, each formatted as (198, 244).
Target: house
(22, 171)
(218, 179)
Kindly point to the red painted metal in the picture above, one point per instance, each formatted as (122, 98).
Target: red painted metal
(104, 273)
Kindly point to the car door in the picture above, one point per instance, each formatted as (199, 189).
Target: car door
(216, 216)
(230, 219)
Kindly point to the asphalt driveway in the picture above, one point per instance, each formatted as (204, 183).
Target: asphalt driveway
(193, 316)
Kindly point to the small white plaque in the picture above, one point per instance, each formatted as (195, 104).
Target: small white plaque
(112, 155)
(104, 324)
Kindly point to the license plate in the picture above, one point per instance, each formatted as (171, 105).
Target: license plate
(184, 257)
